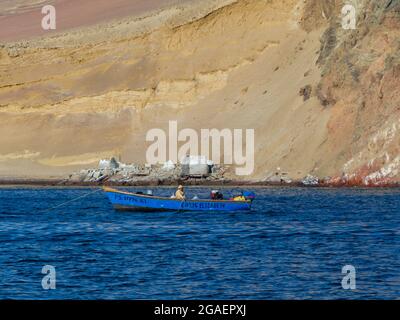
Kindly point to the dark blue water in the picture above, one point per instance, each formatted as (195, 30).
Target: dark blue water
(293, 245)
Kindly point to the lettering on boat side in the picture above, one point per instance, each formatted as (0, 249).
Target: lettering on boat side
(130, 199)
(205, 205)
(223, 309)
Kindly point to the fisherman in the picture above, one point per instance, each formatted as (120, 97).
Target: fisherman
(180, 193)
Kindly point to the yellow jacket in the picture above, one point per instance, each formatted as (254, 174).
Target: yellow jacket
(180, 195)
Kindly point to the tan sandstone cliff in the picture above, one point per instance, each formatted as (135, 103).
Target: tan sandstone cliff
(70, 99)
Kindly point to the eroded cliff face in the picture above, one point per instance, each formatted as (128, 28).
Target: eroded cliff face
(68, 100)
(360, 81)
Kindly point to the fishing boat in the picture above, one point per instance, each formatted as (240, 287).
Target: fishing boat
(122, 200)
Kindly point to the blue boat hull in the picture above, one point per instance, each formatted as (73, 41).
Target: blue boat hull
(136, 202)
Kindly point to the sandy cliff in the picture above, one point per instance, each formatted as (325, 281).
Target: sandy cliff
(69, 99)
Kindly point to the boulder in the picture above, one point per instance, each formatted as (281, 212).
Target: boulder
(310, 180)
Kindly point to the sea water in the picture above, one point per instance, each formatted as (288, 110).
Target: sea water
(294, 244)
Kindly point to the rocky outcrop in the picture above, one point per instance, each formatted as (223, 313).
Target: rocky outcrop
(113, 172)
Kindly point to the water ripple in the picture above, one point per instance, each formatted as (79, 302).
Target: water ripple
(293, 245)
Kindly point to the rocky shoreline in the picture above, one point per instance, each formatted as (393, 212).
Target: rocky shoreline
(58, 182)
(193, 172)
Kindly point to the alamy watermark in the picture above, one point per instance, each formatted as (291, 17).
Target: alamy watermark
(208, 145)
(349, 17)
(49, 280)
(49, 20)
(349, 280)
